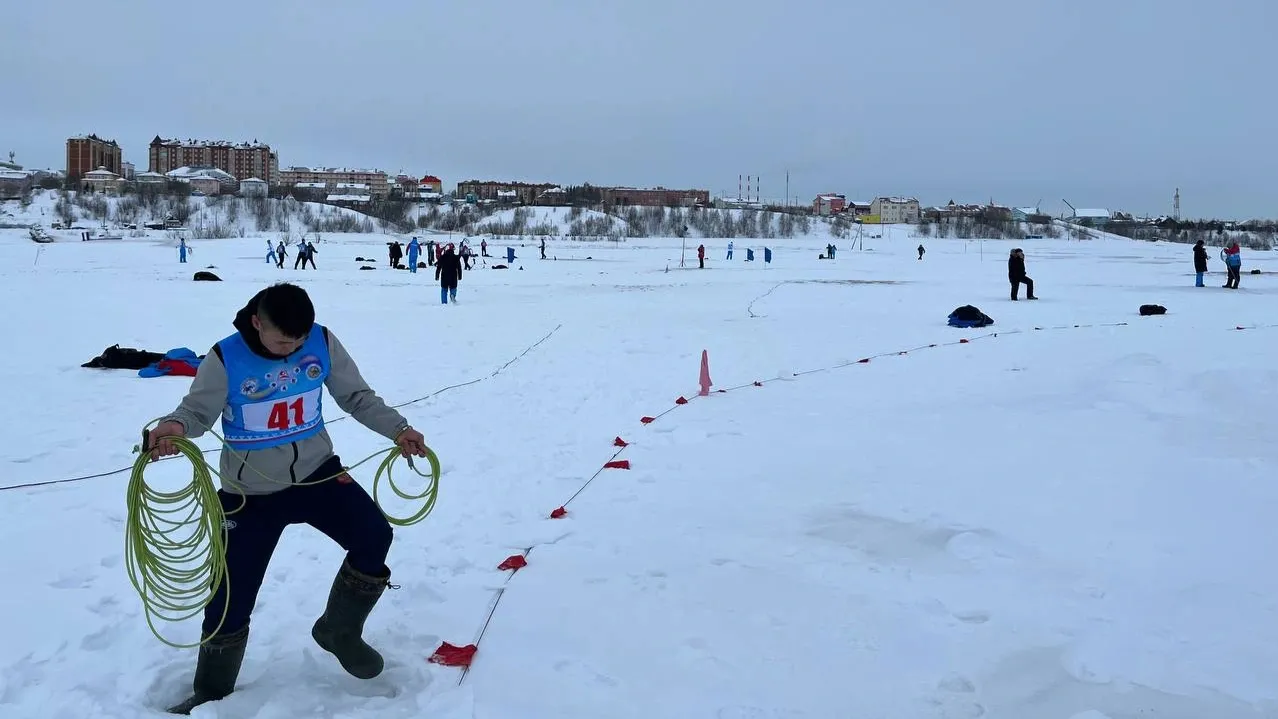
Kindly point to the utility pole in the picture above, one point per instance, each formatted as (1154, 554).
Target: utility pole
(787, 189)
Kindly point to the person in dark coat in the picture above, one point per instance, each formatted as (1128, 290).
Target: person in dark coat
(448, 270)
(396, 253)
(1016, 274)
(701, 256)
(1200, 263)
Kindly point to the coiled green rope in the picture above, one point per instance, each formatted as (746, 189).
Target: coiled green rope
(175, 541)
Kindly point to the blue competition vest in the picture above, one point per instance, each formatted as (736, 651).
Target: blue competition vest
(272, 402)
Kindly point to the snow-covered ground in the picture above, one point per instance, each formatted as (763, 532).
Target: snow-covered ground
(1035, 523)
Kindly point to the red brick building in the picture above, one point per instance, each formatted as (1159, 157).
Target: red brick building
(830, 203)
(511, 192)
(87, 153)
(243, 160)
(653, 197)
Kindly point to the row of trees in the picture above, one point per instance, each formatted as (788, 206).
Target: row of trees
(973, 227)
(614, 223)
(1254, 236)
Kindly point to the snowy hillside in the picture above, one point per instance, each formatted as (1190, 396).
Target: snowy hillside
(203, 217)
(551, 221)
(1065, 515)
(631, 222)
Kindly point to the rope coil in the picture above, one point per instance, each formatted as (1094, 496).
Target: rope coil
(175, 541)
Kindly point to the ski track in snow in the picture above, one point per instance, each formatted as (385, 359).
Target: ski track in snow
(1062, 523)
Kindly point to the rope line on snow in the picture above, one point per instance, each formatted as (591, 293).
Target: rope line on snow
(436, 393)
(463, 656)
(750, 307)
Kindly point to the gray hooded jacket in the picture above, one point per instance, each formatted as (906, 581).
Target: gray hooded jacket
(272, 469)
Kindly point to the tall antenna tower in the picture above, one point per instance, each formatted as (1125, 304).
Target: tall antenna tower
(1176, 205)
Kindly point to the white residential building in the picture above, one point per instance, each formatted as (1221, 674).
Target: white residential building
(253, 187)
(225, 181)
(103, 180)
(895, 210)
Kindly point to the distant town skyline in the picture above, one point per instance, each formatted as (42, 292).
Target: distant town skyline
(1024, 103)
(748, 187)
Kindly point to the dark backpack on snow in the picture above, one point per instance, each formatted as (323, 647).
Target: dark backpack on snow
(969, 316)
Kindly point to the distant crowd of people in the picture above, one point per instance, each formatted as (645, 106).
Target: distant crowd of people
(450, 260)
(306, 251)
(445, 258)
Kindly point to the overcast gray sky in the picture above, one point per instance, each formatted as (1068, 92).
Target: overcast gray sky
(1105, 103)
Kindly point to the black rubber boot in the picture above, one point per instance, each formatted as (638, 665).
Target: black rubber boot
(216, 670)
(341, 628)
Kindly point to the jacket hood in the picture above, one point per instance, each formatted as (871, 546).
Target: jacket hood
(244, 325)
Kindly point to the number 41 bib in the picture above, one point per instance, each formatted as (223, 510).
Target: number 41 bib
(270, 401)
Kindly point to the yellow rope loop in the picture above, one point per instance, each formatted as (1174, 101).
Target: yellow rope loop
(175, 541)
(427, 496)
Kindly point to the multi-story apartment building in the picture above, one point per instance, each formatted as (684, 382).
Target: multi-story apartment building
(653, 197)
(512, 192)
(377, 181)
(87, 153)
(894, 210)
(245, 159)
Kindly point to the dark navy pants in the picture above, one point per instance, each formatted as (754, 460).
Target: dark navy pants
(340, 509)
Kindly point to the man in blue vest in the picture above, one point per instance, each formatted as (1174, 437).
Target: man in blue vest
(265, 382)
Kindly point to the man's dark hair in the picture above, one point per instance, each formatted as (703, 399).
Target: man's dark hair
(288, 308)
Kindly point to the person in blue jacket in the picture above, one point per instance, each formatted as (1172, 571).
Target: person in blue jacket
(265, 384)
(413, 250)
(182, 250)
(1232, 256)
